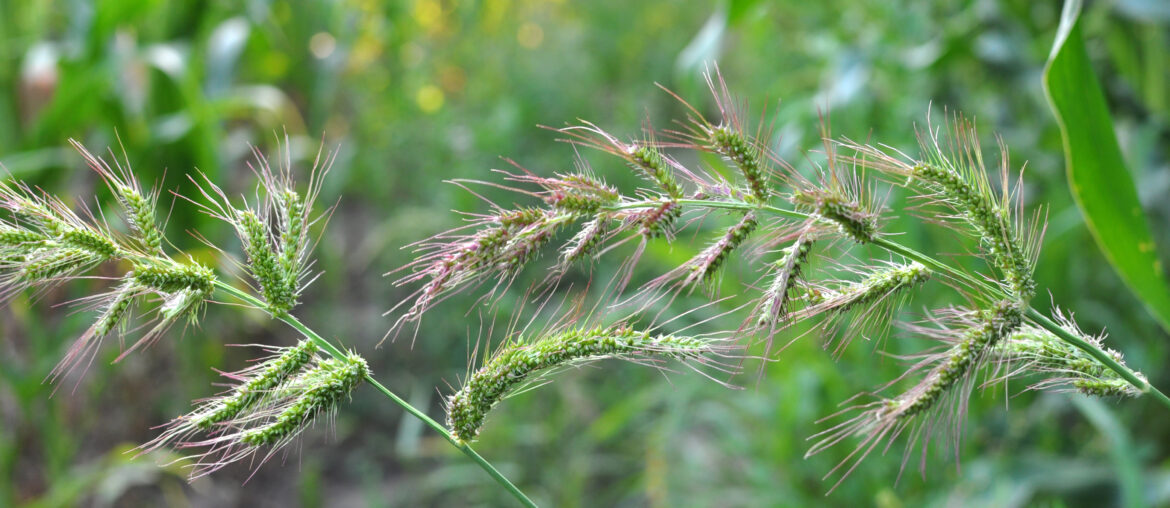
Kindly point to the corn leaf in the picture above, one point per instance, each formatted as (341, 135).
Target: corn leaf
(1101, 184)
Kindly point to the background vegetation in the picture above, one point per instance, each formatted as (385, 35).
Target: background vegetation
(420, 91)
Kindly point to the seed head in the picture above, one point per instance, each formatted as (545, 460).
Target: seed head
(949, 376)
(728, 137)
(274, 227)
(951, 173)
(642, 156)
(138, 206)
(1032, 350)
(317, 391)
(273, 403)
(267, 270)
(115, 313)
(772, 308)
(174, 277)
(518, 363)
(862, 306)
(586, 242)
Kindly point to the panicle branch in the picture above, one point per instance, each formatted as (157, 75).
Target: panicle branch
(952, 173)
(1032, 350)
(949, 374)
(273, 402)
(521, 363)
(275, 228)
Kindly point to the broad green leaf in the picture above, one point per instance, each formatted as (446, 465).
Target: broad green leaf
(1097, 174)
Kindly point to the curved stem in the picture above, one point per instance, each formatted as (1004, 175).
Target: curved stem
(971, 281)
(334, 351)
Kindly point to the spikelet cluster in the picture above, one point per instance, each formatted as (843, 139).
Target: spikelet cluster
(274, 229)
(784, 274)
(43, 242)
(854, 307)
(729, 138)
(1034, 351)
(951, 173)
(271, 403)
(138, 206)
(947, 381)
(521, 363)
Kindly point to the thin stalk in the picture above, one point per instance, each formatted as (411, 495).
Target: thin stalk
(292, 321)
(959, 275)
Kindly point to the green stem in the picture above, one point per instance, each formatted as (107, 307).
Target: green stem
(292, 321)
(959, 275)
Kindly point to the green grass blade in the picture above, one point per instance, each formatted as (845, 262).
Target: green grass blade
(1097, 174)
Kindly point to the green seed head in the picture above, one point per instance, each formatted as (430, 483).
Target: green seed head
(648, 160)
(140, 214)
(97, 244)
(265, 265)
(319, 390)
(586, 242)
(743, 152)
(787, 271)
(114, 315)
(292, 236)
(11, 237)
(174, 277)
(707, 263)
(988, 219)
(878, 285)
(56, 263)
(516, 363)
(268, 376)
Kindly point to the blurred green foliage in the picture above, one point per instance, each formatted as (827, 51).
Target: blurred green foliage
(419, 91)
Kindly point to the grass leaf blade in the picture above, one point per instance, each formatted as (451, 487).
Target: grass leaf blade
(1100, 182)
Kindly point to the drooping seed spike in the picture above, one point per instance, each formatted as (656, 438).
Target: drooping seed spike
(998, 323)
(323, 389)
(139, 208)
(586, 242)
(1115, 388)
(878, 284)
(707, 263)
(746, 155)
(516, 363)
(20, 238)
(991, 222)
(1063, 367)
(140, 214)
(268, 375)
(649, 160)
(787, 271)
(115, 313)
(292, 237)
(56, 263)
(947, 373)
